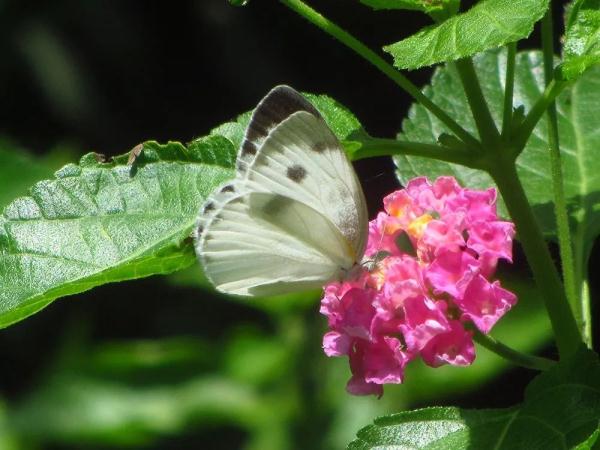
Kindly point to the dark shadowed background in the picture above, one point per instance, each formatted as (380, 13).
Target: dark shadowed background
(104, 76)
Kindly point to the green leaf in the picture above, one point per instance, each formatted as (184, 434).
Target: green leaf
(342, 122)
(488, 24)
(435, 8)
(561, 410)
(581, 48)
(589, 444)
(97, 223)
(577, 108)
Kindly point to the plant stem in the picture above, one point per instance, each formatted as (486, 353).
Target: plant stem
(566, 333)
(512, 355)
(509, 85)
(587, 313)
(521, 135)
(388, 147)
(481, 113)
(560, 203)
(361, 49)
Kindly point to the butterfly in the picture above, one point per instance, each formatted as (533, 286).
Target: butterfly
(294, 217)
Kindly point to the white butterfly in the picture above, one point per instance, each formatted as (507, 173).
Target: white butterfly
(295, 215)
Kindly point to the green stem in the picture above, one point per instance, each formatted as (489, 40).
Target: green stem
(481, 113)
(560, 203)
(515, 357)
(587, 313)
(388, 147)
(540, 107)
(361, 49)
(509, 86)
(566, 333)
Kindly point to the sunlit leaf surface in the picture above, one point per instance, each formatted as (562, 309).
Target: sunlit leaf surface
(488, 24)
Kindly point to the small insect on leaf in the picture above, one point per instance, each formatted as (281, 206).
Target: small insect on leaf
(99, 157)
(135, 153)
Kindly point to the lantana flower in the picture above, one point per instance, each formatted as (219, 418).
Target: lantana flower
(426, 281)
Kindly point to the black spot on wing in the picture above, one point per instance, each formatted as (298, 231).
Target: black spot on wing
(228, 188)
(210, 206)
(320, 147)
(248, 148)
(296, 173)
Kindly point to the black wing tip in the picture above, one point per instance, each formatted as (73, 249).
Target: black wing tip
(281, 102)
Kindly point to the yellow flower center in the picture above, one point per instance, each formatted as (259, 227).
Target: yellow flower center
(417, 227)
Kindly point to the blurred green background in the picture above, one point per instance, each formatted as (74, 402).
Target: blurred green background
(163, 363)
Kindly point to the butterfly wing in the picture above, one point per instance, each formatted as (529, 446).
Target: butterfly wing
(266, 244)
(301, 158)
(295, 215)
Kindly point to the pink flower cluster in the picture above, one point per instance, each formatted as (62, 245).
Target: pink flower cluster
(428, 264)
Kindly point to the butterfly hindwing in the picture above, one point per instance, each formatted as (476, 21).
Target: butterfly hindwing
(266, 244)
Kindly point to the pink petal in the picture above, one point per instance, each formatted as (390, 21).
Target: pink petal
(494, 238)
(423, 320)
(484, 303)
(454, 347)
(439, 233)
(375, 363)
(336, 344)
(352, 313)
(358, 386)
(482, 205)
(451, 270)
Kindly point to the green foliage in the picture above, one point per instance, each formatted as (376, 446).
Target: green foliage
(435, 8)
(561, 410)
(489, 24)
(97, 223)
(589, 444)
(579, 139)
(581, 49)
(151, 389)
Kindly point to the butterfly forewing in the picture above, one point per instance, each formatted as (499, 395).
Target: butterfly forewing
(278, 105)
(295, 215)
(302, 159)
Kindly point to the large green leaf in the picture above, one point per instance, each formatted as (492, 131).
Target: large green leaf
(561, 410)
(435, 8)
(98, 222)
(489, 24)
(577, 108)
(581, 48)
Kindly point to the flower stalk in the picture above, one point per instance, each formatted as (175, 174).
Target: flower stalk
(387, 69)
